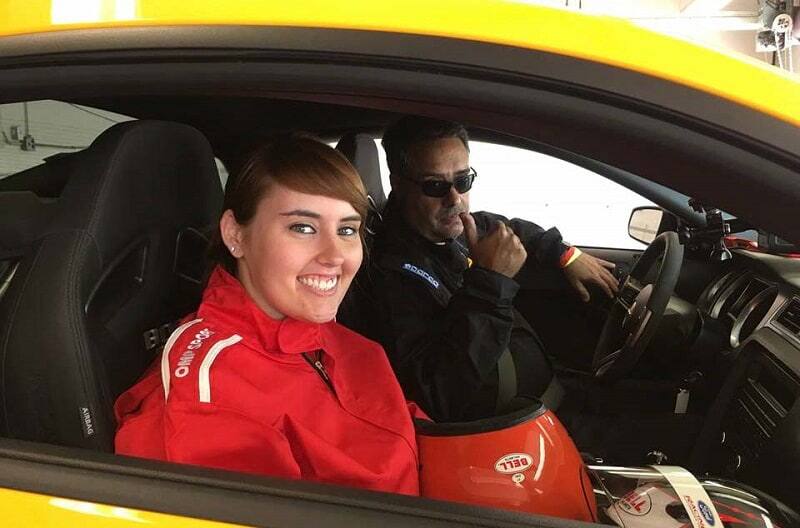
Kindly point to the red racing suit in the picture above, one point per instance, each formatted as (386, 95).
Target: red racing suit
(238, 390)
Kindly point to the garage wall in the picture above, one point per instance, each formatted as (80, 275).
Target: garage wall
(728, 24)
(55, 127)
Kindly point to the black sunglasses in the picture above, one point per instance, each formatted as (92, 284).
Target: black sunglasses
(439, 188)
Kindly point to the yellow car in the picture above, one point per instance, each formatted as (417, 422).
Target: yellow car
(604, 115)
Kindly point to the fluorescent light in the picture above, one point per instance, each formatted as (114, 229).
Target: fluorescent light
(75, 11)
(125, 9)
(87, 11)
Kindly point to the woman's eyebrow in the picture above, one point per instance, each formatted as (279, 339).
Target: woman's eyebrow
(302, 212)
(312, 214)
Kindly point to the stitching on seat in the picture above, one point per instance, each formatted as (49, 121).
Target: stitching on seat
(83, 360)
(10, 326)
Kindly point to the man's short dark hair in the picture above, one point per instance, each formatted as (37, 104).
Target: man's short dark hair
(410, 130)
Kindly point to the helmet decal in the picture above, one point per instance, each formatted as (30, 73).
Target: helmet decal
(513, 463)
(637, 502)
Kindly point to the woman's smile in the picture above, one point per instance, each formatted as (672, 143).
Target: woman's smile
(323, 285)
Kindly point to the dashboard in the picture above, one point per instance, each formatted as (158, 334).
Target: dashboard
(752, 432)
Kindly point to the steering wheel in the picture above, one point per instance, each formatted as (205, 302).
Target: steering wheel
(638, 308)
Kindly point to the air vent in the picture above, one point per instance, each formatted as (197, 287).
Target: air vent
(789, 318)
(732, 291)
(761, 404)
(759, 411)
(753, 288)
(752, 315)
(712, 292)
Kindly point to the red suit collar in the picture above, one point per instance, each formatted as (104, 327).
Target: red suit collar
(225, 298)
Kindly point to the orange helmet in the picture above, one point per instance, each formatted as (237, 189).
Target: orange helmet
(521, 461)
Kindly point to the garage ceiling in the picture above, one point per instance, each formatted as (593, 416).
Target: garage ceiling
(730, 24)
(669, 8)
(663, 9)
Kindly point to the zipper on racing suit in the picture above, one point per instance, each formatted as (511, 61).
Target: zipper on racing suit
(317, 365)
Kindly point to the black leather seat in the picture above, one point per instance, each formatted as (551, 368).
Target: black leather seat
(358, 307)
(119, 257)
(360, 149)
(23, 218)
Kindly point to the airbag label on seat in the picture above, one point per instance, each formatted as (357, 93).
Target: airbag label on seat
(86, 421)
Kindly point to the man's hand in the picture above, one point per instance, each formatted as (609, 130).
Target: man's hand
(586, 270)
(499, 251)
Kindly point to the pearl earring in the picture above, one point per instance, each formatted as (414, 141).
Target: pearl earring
(233, 250)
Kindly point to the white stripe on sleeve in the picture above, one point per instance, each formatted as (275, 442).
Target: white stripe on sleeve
(205, 366)
(165, 379)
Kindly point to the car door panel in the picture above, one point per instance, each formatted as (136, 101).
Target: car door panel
(99, 483)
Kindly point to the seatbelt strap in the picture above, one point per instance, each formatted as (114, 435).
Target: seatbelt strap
(553, 394)
(506, 381)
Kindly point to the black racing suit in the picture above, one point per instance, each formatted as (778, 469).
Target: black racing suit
(444, 324)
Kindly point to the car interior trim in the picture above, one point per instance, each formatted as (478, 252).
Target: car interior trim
(618, 86)
(669, 154)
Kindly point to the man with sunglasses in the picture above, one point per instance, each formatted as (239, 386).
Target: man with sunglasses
(440, 285)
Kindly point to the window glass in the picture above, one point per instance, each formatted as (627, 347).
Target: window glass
(587, 208)
(223, 172)
(34, 130)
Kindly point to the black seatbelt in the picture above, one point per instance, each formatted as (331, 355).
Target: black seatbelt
(506, 381)
(554, 394)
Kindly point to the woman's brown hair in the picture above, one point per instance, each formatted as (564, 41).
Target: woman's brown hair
(299, 163)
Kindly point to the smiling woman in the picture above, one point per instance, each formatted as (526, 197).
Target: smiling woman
(292, 222)
(226, 392)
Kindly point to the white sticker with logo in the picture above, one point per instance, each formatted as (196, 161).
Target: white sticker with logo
(701, 510)
(647, 507)
(637, 502)
(513, 463)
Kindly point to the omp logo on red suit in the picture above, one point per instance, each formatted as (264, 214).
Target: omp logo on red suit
(186, 358)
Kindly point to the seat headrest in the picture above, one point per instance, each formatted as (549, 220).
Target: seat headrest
(360, 149)
(137, 175)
